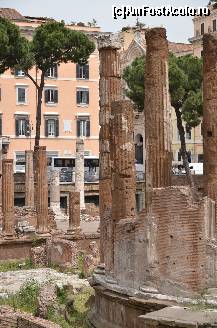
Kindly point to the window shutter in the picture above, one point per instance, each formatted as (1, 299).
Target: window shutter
(87, 97)
(87, 72)
(56, 96)
(46, 98)
(55, 71)
(88, 129)
(27, 128)
(46, 127)
(57, 128)
(17, 127)
(77, 71)
(78, 129)
(0, 125)
(78, 97)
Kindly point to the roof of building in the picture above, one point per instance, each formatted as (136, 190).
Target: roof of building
(11, 14)
(180, 47)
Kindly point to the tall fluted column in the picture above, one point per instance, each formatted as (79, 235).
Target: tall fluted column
(8, 198)
(109, 90)
(122, 160)
(74, 213)
(209, 125)
(55, 190)
(79, 171)
(42, 191)
(29, 179)
(157, 113)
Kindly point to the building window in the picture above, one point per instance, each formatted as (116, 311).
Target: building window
(202, 29)
(214, 25)
(82, 72)
(51, 96)
(22, 128)
(51, 72)
(51, 127)
(83, 127)
(200, 158)
(188, 133)
(82, 96)
(21, 95)
(19, 73)
(20, 161)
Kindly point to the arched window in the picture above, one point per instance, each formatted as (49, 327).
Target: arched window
(139, 149)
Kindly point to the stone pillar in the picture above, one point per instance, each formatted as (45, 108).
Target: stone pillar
(74, 213)
(79, 171)
(157, 113)
(41, 191)
(8, 198)
(109, 90)
(1, 159)
(55, 190)
(29, 179)
(209, 125)
(122, 160)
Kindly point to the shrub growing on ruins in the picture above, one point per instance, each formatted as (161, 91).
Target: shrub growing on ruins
(185, 83)
(52, 43)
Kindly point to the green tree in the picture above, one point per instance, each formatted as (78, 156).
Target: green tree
(52, 43)
(185, 81)
(213, 2)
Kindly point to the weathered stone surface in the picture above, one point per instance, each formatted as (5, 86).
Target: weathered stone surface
(38, 256)
(109, 90)
(74, 213)
(210, 115)
(122, 161)
(157, 113)
(8, 198)
(42, 191)
(47, 298)
(29, 179)
(79, 171)
(55, 190)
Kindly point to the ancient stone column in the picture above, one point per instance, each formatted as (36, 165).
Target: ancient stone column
(1, 159)
(157, 113)
(209, 125)
(55, 190)
(74, 213)
(122, 160)
(29, 179)
(109, 90)
(42, 191)
(8, 198)
(79, 171)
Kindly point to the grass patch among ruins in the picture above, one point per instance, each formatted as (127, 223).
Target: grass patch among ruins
(15, 265)
(72, 311)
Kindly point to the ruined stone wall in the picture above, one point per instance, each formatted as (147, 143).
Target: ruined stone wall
(177, 243)
(157, 113)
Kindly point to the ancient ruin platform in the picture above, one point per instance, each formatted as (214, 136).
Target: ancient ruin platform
(180, 317)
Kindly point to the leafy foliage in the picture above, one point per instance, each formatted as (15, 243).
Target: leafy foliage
(185, 81)
(15, 265)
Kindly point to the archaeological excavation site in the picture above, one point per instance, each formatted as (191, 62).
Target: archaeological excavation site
(142, 254)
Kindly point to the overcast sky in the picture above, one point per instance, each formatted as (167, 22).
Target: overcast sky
(179, 29)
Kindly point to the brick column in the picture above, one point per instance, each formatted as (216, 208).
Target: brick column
(29, 179)
(109, 90)
(209, 125)
(55, 189)
(8, 198)
(74, 213)
(79, 171)
(41, 191)
(122, 160)
(157, 113)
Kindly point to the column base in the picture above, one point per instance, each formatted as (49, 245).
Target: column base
(100, 269)
(73, 233)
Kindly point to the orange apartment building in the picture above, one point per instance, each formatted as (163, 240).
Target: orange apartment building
(70, 105)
